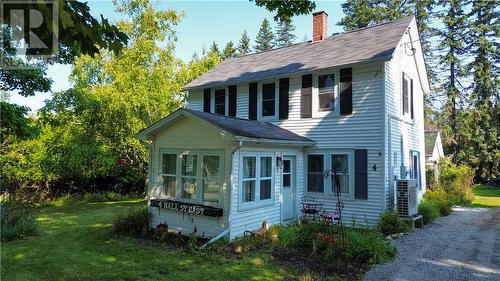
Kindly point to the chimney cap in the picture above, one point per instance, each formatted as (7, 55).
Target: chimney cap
(320, 12)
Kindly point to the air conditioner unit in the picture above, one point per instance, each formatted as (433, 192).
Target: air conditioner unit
(407, 197)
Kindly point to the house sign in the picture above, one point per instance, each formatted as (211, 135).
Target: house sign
(186, 207)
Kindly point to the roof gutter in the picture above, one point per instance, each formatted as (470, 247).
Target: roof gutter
(276, 142)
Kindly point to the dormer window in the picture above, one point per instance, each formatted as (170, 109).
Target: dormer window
(326, 92)
(268, 100)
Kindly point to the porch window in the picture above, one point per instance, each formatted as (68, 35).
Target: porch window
(268, 99)
(340, 167)
(194, 176)
(256, 179)
(188, 176)
(211, 178)
(169, 172)
(326, 94)
(315, 169)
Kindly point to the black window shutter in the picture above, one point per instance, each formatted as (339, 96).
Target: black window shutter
(411, 98)
(252, 101)
(206, 100)
(284, 88)
(346, 91)
(232, 100)
(306, 97)
(361, 174)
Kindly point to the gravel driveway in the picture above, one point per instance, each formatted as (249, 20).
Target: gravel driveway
(462, 246)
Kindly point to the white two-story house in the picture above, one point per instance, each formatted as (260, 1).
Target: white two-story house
(261, 131)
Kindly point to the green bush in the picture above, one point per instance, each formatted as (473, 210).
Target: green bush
(441, 200)
(391, 223)
(135, 223)
(368, 247)
(456, 181)
(429, 210)
(18, 221)
(66, 200)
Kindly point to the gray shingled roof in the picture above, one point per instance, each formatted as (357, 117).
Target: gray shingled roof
(363, 45)
(430, 141)
(238, 127)
(248, 128)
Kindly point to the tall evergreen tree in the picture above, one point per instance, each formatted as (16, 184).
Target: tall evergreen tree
(284, 34)
(450, 50)
(228, 51)
(244, 44)
(265, 38)
(482, 45)
(363, 13)
(214, 49)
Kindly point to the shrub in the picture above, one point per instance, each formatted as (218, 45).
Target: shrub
(429, 210)
(441, 200)
(368, 247)
(135, 223)
(457, 182)
(66, 200)
(390, 223)
(17, 220)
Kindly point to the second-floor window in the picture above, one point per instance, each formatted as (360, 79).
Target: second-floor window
(220, 101)
(326, 92)
(268, 100)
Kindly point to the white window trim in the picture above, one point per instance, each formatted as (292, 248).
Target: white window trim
(414, 153)
(316, 111)
(199, 175)
(327, 166)
(257, 203)
(226, 100)
(276, 100)
(406, 115)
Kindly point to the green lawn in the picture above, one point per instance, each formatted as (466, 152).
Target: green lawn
(76, 243)
(485, 197)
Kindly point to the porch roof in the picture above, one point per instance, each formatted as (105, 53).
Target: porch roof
(240, 129)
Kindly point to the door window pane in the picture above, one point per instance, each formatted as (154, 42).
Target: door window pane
(268, 99)
(265, 189)
(249, 191)
(286, 180)
(286, 166)
(315, 180)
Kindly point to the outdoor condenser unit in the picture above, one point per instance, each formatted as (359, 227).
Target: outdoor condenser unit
(407, 197)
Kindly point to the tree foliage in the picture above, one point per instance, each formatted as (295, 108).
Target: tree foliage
(265, 38)
(88, 133)
(286, 9)
(244, 44)
(284, 34)
(229, 51)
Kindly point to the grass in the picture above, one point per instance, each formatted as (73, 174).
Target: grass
(76, 243)
(485, 196)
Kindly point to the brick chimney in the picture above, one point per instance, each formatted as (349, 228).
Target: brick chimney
(320, 24)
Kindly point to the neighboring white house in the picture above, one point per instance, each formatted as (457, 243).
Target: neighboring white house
(263, 130)
(433, 147)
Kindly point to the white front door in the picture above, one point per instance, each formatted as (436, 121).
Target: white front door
(288, 190)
